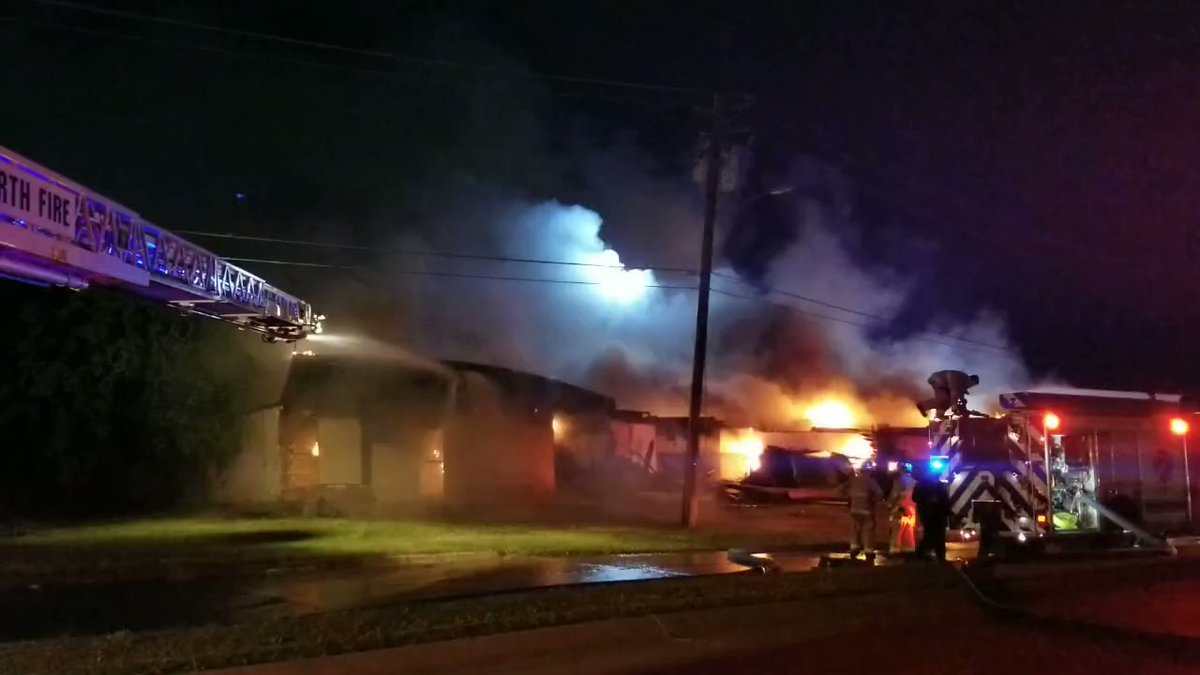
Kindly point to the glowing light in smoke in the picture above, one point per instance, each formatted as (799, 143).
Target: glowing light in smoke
(616, 282)
(831, 415)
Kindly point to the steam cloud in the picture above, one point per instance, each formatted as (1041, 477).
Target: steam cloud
(631, 335)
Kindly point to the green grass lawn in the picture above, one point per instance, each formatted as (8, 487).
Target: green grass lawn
(362, 537)
(184, 547)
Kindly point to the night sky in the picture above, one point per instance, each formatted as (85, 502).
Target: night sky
(1033, 157)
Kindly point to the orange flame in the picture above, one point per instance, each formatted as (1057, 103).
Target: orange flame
(830, 414)
(748, 445)
(858, 450)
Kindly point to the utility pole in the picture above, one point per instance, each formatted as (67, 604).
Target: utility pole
(712, 180)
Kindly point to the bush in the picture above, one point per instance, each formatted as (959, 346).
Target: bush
(112, 406)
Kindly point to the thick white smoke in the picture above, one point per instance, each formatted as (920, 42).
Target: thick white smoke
(629, 332)
(558, 325)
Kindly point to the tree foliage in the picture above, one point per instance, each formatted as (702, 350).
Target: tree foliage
(109, 405)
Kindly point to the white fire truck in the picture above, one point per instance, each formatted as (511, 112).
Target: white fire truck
(1070, 463)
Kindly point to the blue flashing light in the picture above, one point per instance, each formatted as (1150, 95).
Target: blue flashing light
(937, 463)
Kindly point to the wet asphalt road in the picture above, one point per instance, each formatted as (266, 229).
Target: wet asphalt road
(87, 609)
(1168, 606)
(91, 609)
(961, 643)
(1145, 627)
(930, 633)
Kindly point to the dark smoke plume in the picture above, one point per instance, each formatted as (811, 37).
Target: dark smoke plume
(609, 324)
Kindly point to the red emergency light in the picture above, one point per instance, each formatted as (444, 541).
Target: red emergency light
(1179, 426)
(1051, 421)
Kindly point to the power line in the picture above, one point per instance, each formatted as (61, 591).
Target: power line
(389, 74)
(538, 261)
(850, 310)
(924, 213)
(431, 254)
(577, 282)
(464, 66)
(203, 48)
(443, 63)
(815, 301)
(421, 60)
(393, 75)
(468, 256)
(455, 275)
(991, 349)
(391, 56)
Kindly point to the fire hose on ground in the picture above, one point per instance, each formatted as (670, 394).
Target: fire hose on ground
(1141, 534)
(755, 563)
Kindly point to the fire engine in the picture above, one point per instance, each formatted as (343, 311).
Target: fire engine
(1056, 464)
(54, 231)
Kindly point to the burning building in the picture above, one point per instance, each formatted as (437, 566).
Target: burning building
(730, 452)
(510, 431)
(368, 432)
(348, 430)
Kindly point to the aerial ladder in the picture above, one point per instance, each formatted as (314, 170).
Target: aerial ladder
(56, 232)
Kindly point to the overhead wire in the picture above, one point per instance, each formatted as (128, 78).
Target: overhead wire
(373, 53)
(983, 348)
(540, 261)
(204, 48)
(798, 296)
(432, 254)
(403, 58)
(397, 57)
(850, 310)
(664, 108)
(580, 282)
(437, 273)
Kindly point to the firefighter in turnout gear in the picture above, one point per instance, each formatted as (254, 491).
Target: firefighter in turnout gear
(902, 512)
(933, 511)
(950, 389)
(862, 494)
